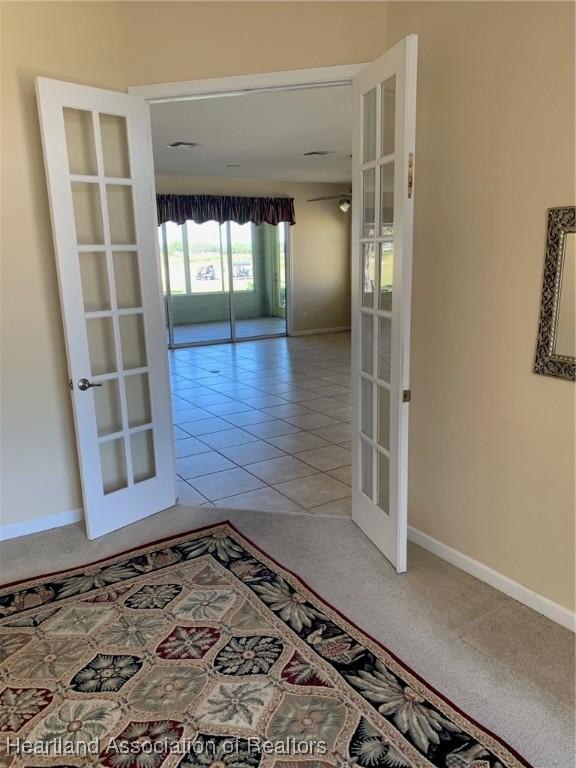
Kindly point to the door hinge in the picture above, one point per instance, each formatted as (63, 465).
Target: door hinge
(406, 395)
(410, 174)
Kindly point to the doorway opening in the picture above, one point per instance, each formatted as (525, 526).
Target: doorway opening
(384, 101)
(265, 424)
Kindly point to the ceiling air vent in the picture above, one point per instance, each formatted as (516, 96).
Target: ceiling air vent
(186, 144)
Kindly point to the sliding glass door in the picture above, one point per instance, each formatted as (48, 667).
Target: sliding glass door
(223, 282)
(196, 282)
(256, 278)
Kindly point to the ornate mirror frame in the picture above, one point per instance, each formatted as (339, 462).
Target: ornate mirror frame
(561, 221)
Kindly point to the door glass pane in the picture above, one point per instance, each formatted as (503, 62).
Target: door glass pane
(207, 248)
(383, 419)
(366, 482)
(127, 277)
(366, 344)
(386, 198)
(383, 483)
(113, 465)
(175, 258)
(87, 213)
(198, 264)
(94, 275)
(281, 298)
(368, 274)
(369, 203)
(133, 341)
(243, 277)
(101, 347)
(258, 279)
(115, 146)
(79, 130)
(384, 348)
(173, 277)
(251, 282)
(165, 290)
(121, 214)
(143, 464)
(107, 404)
(369, 144)
(366, 400)
(386, 272)
(138, 400)
(388, 94)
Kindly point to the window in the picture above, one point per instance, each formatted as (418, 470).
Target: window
(198, 256)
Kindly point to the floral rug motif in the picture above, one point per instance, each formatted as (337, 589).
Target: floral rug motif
(202, 652)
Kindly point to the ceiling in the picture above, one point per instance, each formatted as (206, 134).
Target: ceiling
(265, 134)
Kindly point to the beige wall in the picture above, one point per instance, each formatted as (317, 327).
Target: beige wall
(79, 42)
(320, 243)
(491, 444)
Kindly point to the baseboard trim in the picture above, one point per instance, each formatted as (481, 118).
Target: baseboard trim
(504, 584)
(313, 331)
(495, 579)
(39, 524)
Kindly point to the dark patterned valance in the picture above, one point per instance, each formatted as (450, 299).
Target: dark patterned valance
(221, 208)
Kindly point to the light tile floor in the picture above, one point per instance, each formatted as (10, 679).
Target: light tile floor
(265, 424)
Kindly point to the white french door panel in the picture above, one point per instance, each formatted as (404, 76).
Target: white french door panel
(384, 94)
(98, 158)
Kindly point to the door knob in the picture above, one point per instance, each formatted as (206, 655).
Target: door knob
(84, 384)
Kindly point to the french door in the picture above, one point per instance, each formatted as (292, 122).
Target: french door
(223, 282)
(384, 95)
(98, 158)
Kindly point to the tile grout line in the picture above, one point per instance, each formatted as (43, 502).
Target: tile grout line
(300, 368)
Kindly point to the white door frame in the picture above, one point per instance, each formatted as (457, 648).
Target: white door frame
(237, 85)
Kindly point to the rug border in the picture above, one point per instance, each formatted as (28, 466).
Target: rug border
(345, 618)
(122, 552)
(381, 645)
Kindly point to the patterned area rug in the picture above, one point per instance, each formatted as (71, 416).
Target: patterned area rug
(202, 652)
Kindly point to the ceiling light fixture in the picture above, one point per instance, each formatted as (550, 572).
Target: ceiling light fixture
(185, 144)
(344, 205)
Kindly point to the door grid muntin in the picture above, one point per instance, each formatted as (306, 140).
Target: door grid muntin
(122, 441)
(374, 447)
